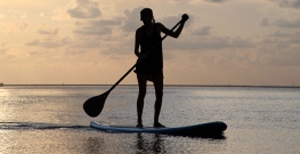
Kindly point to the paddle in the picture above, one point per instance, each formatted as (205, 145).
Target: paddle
(94, 105)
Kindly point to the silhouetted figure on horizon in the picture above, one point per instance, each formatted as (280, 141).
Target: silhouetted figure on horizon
(150, 66)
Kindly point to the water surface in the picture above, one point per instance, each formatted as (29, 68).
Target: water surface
(50, 119)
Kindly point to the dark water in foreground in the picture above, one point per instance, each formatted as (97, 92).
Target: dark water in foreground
(51, 120)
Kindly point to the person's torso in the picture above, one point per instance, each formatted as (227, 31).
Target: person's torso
(151, 43)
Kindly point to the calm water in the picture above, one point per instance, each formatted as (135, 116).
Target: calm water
(51, 120)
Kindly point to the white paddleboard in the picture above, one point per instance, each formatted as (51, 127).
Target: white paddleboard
(209, 129)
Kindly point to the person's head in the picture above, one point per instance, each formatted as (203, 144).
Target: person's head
(147, 15)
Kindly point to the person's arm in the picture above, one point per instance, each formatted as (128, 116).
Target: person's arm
(175, 34)
(137, 44)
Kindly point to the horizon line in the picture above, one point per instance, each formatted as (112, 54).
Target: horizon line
(167, 85)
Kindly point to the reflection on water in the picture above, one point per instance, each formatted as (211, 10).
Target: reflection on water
(153, 145)
(94, 145)
(150, 143)
(142, 144)
(38, 126)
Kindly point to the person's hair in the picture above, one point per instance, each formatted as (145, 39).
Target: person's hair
(147, 13)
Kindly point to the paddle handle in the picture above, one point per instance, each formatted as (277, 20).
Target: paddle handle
(136, 63)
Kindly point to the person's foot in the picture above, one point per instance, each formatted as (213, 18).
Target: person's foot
(139, 125)
(158, 125)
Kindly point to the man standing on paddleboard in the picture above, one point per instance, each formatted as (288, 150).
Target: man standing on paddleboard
(149, 67)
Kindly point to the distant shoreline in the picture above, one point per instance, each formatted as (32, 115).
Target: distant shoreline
(167, 85)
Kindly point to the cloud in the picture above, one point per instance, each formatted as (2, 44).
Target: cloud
(48, 38)
(66, 40)
(35, 42)
(16, 27)
(85, 9)
(284, 41)
(213, 43)
(280, 49)
(42, 14)
(17, 14)
(295, 39)
(61, 14)
(46, 43)
(205, 31)
(132, 19)
(288, 38)
(288, 3)
(51, 43)
(216, 1)
(269, 55)
(89, 31)
(47, 31)
(3, 48)
(88, 44)
(264, 22)
(282, 23)
(96, 27)
(280, 34)
(129, 23)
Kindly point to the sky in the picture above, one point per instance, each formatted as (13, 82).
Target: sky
(227, 42)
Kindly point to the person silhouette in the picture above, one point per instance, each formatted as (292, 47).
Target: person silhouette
(149, 67)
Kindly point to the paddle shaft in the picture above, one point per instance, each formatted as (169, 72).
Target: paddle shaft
(136, 63)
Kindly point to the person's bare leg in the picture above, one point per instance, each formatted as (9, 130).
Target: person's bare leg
(158, 84)
(140, 101)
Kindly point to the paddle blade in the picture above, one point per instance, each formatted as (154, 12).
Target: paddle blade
(94, 105)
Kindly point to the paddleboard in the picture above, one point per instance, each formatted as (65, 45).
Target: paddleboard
(209, 129)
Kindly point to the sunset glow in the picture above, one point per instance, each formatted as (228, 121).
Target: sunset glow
(249, 42)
